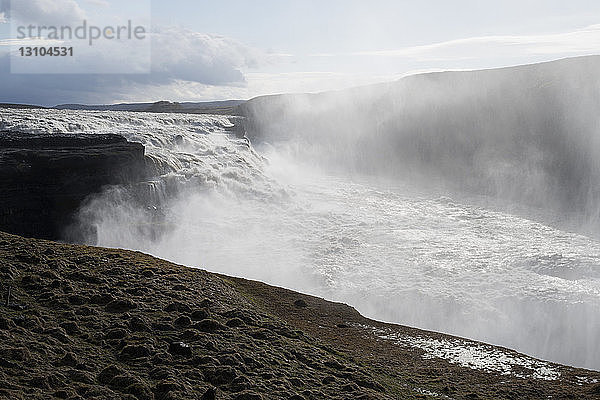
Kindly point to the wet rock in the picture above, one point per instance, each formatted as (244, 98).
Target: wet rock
(160, 373)
(179, 307)
(62, 394)
(240, 383)
(162, 358)
(140, 391)
(84, 277)
(137, 291)
(206, 303)
(248, 395)
(135, 351)
(190, 335)
(334, 364)
(148, 273)
(66, 287)
(6, 323)
(183, 321)
(263, 334)
(180, 349)
(351, 387)
(137, 324)
(116, 271)
(368, 384)
(79, 376)
(300, 304)
(199, 315)
(46, 296)
(231, 359)
(8, 270)
(162, 326)
(120, 306)
(234, 323)
(209, 325)
(40, 382)
(122, 382)
(210, 394)
(205, 360)
(165, 387)
(32, 282)
(4, 363)
(108, 373)
(221, 375)
(101, 299)
(296, 382)
(71, 327)
(76, 299)
(85, 311)
(68, 359)
(15, 353)
(117, 333)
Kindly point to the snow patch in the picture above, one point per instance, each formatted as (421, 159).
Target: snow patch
(474, 355)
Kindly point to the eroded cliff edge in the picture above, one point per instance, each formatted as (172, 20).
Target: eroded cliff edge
(45, 178)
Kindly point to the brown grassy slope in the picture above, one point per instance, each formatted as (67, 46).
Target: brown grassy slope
(97, 323)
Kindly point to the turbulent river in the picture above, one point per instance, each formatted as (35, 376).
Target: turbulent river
(397, 253)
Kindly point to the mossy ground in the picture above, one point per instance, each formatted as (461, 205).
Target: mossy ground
(96, 323)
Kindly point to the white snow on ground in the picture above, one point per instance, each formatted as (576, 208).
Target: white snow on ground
(585, 380)
(473, 355)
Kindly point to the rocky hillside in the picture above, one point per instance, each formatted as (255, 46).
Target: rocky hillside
(82, 322)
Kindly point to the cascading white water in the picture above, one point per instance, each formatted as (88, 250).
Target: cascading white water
(393, 251)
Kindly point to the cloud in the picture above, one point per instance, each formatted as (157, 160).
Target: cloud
(44, 12)
(579, 42)
(190, 56)
(98, 3)
(3, 19)
(29, 42)
(183, 62)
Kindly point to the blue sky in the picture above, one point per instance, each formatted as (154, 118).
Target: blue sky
(205, 50)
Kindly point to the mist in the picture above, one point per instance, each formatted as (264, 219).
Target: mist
(527, 135)
(460, 202)
(456, 202)
(443, 201)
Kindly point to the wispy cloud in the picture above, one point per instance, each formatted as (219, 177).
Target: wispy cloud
(189, 64)
(98, 3)
(582, 41)
(29, 42)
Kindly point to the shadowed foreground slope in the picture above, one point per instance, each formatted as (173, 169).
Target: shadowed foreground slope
(86, 322)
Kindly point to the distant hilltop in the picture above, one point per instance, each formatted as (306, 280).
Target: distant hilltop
(213, 107)
(228, 107)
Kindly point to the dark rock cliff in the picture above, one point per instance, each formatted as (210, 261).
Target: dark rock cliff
(45, 178)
